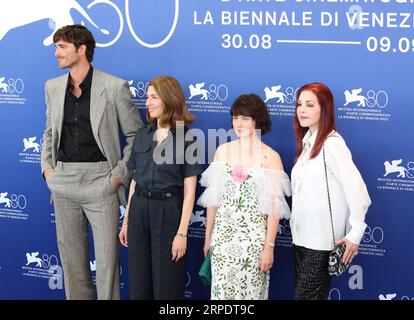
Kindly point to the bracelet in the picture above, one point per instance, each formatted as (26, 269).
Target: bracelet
(181, 234)
(271, 244)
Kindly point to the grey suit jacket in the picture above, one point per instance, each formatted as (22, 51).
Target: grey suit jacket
(111, 110)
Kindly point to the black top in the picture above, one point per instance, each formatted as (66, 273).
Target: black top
(164, 166)
(77, 143)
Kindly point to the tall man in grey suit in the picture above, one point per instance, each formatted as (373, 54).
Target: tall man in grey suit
(83, 164)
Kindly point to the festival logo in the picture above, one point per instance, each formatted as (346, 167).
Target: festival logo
(4, 87)
(394, 296)
(372, 242)
(12, 206)
(281, 100)
(4, 200)
(197, 217)
(207, 97)
(21, 13)
(395, 167)
(363, 104)
(31, 152)
(139, 93)
(197, 225)
(397, 176)
(11, 90)
(198, 90)
(274, 93)
(388, 296)
(43, 266)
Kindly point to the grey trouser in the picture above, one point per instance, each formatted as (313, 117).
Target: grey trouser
(84, 193)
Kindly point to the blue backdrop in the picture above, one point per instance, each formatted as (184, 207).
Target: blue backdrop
(219, 50)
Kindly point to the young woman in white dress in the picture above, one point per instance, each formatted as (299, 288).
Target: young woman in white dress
(244, 197)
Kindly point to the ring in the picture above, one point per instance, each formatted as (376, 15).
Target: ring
(355, 253)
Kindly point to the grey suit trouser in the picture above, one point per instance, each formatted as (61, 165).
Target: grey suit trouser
(84, 193)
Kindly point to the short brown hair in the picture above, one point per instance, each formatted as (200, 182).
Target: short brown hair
(171, 94)
(251, 105)
(78, 35)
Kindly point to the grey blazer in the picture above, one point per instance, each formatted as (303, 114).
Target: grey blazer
(111, 110)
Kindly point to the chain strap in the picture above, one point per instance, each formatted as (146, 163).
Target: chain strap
(329, 197)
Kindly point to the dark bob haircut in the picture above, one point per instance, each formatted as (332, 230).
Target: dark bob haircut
(251, 105)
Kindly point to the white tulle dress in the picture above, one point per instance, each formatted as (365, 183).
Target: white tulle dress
(243, 198)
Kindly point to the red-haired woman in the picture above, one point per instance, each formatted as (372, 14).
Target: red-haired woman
(314, 225)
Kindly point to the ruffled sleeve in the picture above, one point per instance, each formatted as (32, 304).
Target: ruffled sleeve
(272, 187)
(213, 179)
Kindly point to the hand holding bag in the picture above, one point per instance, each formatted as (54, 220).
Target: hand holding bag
(205, 270)
(335, 267)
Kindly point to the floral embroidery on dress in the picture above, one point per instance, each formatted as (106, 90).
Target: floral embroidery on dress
(243, 199)
(239, 174)
(239, 234)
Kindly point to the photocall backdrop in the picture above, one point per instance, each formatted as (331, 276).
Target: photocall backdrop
(363, 50)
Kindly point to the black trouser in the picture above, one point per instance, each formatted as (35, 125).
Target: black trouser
(152, 226)
(312, 280)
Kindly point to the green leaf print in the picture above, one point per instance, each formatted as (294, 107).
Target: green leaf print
(246, 264)
(216, 291)
(239, 234)
(239, 204)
